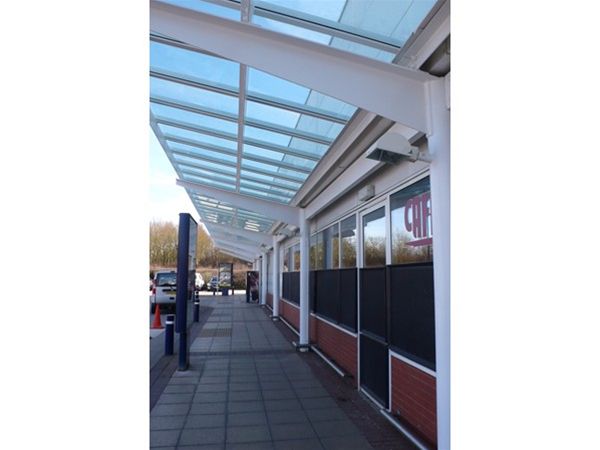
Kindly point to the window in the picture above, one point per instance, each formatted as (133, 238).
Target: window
(319, 252)
(331, 247)
(296, 258)
(348, 242)
(374, 238)
(411, 224)
(312, 255)
(286, 260)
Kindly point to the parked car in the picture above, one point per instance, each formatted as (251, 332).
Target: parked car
(199, 281)
(214, 283)
(164, 290)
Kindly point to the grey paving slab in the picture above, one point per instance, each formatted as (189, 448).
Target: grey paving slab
(200, 436)
(221, 387)
(248, 418)
(346, 443)
(163, 438)
(250, 446)
(207, 408)
(325, 414)
(167, 422)
(286, 431)
(252, 433)
(335, 428)
(279, 417)
(170, 410)
(179, 388)
(318, 403)
(210, 397)
(245, 395)
(280, 394)
(205, 421)
(201, 447)
(299, 444)
(282, 405)
(238, 407)
(175, 398)
(250, 386)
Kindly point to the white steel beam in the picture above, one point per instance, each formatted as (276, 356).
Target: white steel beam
(233, 238)
(275, 276)
(262, 238)
(386, 89)
(439, 148)
(304, 268)
(278, 211)
(263, 280)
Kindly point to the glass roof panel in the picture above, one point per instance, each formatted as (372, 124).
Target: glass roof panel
(270, 179)
(229, 11)
(265, 84)
(375, 29)
(216, 184)
(193, 65)
(220, 160)
(195, 137)
(189, 118)
(264, 195)
(250, 164)
(192, 95)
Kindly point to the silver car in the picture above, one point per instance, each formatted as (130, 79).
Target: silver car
(164, 290)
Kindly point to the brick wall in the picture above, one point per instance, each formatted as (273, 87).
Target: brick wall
(340, 347)
(290, 313)
(413, 398)
(270, 300)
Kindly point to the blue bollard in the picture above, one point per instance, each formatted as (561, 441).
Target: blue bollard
(197, 310)
(169, 334)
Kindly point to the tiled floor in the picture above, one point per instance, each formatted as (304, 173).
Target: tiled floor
(247, 388)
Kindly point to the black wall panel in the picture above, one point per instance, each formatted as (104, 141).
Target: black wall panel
(373, 305)
(347, 297)
(374, 368)
(412, 312)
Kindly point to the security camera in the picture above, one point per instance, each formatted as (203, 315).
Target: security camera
(393, 148)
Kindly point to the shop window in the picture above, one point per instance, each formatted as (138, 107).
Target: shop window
(320, 252)
(312, 254)
(286, 260)
(331, 247)
(296, 258)
(348, 241)
(374, 238)
(411, 224)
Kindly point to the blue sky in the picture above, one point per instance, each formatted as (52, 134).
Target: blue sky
(167, 199)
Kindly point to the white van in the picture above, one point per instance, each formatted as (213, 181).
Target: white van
(164, 290)
(199, 281)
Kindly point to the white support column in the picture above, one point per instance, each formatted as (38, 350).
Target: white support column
(263, 280)
(439, 147)
(275, 278)
(304, 268)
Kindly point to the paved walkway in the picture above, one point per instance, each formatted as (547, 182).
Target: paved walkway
(247, 388)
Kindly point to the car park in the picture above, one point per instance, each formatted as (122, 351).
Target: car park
(214, 283)
(164, 290)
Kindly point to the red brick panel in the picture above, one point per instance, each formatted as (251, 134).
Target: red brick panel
(270, 300)
(290, 313)
(312, 329)
(337, 345)
(413, 398)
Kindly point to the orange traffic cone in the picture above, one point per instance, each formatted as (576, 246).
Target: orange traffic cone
(157, 323)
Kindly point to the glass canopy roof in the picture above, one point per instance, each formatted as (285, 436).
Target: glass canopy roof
(265, 136)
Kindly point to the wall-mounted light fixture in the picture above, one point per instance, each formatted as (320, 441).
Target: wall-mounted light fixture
(393, 148)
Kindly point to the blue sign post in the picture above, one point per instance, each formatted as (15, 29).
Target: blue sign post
(186, 278)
